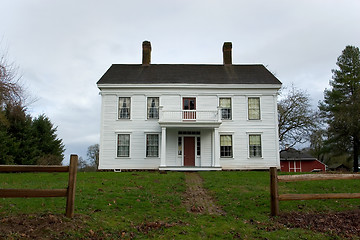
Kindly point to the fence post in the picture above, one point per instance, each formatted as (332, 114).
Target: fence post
(70, 200)
(274, 192)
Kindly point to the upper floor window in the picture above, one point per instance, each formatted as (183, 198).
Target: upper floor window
(124, 107)
(225, 104)
(152, 145)
(152, 107)
(255, 145)
(226, 146)
(254, 108)
(123, 145)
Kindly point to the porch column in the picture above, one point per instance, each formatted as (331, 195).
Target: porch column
(163, 147)
(216, 162)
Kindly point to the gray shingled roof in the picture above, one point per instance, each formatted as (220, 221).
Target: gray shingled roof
(187, 73)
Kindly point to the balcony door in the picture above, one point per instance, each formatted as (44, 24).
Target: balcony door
(189, 108)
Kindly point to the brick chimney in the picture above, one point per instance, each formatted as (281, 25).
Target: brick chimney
(227, 53)
(146, 57)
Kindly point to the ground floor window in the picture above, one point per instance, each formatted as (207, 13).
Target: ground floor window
(226, 146)
(198, 150)
(179, 146)
(123, 145)
(255, 145)
(152, 145)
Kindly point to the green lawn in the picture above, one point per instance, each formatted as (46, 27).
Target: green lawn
(145, 205)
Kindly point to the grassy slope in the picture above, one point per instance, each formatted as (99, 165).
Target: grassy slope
(119, 204)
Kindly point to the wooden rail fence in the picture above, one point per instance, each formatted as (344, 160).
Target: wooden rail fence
(68, 192)
(275, 179)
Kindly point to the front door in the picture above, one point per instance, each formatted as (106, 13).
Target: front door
(189, 151)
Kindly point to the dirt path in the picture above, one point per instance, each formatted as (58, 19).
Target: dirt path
(197, 199)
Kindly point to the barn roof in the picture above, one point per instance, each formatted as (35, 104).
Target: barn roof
(293, 154)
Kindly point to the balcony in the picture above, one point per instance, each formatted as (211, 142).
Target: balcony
(190, 118)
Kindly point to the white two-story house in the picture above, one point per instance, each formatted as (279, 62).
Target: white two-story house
(188, 116)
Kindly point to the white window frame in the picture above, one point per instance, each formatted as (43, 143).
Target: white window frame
(159, 144)
(232, 144)
(248, 110)
(181, 150)
(146, 107)
(118, 108)
(117, 144)
(198, 145)
(231, 107)
(261, 145)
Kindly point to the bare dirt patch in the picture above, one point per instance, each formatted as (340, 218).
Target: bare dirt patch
(149, 226)
(39, 226)
(344, 224)
(197, 199)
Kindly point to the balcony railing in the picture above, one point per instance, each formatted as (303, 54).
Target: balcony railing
(189, 116)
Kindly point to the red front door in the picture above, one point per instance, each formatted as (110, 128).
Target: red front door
(189, 151)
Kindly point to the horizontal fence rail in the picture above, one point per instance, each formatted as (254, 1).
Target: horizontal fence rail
(310, 177)
(68, 192)
(14, 193)
(32, 168)
(275, 179)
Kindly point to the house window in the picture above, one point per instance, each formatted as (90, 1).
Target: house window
(123, 145)
(255, 145)
(226, 146)
(152, 145)
(198, 149)
(254, 108)
(153, 108)
(179, 146)
(124, 107)
(225, 104)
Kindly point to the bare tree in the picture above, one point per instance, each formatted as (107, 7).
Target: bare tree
(93, 155)
(11, 90)
(297, 119)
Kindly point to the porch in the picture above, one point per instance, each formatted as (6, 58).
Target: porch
(189, 149)
(189, 169)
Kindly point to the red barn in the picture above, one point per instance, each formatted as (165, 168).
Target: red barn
(292, 160)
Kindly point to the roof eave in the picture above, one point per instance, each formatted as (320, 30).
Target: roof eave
(187, 85)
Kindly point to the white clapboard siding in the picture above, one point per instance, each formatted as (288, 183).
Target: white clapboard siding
(207, 99)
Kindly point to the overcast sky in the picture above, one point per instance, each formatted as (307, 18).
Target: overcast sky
(63, 47)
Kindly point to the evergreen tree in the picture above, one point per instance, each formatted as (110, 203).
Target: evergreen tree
(341, 105)
(19, 129)
(27, 141)
(48, 145)
(7, 145)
